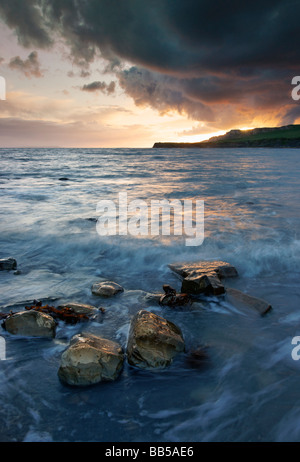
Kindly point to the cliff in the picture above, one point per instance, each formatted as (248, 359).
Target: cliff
(287, 136)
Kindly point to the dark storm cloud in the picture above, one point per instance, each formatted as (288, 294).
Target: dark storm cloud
(186, 55)
(177, 36)
(162, 93)
(100, 86)
(29, 67)
(25, 18)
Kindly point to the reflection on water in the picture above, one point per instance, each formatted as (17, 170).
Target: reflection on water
(248, 389)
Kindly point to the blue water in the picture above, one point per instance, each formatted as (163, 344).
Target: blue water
(249, 389)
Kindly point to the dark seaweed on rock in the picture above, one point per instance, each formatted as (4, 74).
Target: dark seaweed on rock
(172, 299)
(4, 316)
(65, 314)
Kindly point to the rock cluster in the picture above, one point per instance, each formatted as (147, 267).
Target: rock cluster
(152, 344)
(206, 277)
(153, 341)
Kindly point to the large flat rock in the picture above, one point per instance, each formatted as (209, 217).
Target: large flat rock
(153, 341)
(221, 268)
(242, 300)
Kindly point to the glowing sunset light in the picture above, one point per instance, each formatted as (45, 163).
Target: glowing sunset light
(147, 79)
(198, 138)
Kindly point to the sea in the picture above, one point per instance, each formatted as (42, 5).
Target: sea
(248, 387)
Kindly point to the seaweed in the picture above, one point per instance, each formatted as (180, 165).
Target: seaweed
(4, 316)
(65, 314)
(173, 300)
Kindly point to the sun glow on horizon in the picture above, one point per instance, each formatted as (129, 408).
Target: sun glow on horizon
(198, 138)
(246, 128)
(206, 136)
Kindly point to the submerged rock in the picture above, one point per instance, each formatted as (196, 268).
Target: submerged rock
(204, 277)
(153, 341)
(8, 264)
(80, 308)
(197, 358)
(93, 220)
(31, 324)
(106, 288)
(89, 360)
(242, 300)
(150, 298)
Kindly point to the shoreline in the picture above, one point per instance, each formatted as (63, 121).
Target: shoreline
(287, 136)
(206, 145)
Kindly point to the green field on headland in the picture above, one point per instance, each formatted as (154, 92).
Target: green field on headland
(275, 137)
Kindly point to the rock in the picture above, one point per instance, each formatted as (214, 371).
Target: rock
(175, 301)
(31, 324)
(8, 264)
(93, 220)
(226, 271)
(80, 308)
(172, 299)
(89, 360)
(153, 341)
(106, 289)
(65, 314)
(205, 284)
(222, 269)
(204, 276)
(242, 300)
(168, 290)
(151, 298)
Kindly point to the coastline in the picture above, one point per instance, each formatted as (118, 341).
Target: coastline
(276, 137)
(275, 144)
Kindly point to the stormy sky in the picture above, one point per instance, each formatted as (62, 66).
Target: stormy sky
(130, 72)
